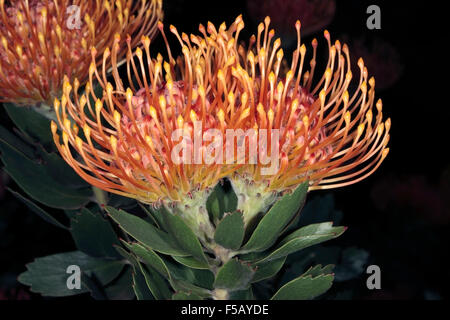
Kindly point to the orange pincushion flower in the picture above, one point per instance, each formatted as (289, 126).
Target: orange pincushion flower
(326, 135)
(41, 41)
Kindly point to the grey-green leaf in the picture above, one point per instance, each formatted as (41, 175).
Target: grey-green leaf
(268, 270)
(303, 238)
(188, 279)
(94, 235)
(145, 233)
(271, 225)
(318, 270)
(185, 296)
(34, 179)
(184, 237)
(221, 201)
(158, 287)
(30, 122)
(191, 262)
(58, 169)
(181, 278)
(15, 142)
(48, 275)
(230, 231)
(304, 287)
(234, 275)
(149, 257)
(141, 290)
(246, 294)
(121, 288)
(95, 288)
(321, 228)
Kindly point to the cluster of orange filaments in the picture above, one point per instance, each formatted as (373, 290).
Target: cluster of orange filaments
(43, 40)
(326, 135)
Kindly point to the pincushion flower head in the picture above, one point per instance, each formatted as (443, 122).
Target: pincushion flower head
(328, 133)
(331, 129)
(43, 41)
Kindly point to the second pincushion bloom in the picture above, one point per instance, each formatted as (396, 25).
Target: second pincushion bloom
(43, 41)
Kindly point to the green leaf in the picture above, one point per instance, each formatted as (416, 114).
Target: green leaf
(127, 256)
(304, 287)
(322, 228)
(149, 257)
(48, 276)
(93, 286)
(145, 233)
(59, 170)
(185, 237)
(151, 216)
(318, 270)
(221, 201)
(252, 256)
(156, 262)
(157, 215)
(199, 278)
(51, 162)
(141, 290)
(268, 270)
(191, 262)
(156, 284)
(121, 288)
(185, 296)
(139, 284)
(271, 225)
(38, 210)
(93, 234)
(15, 142)
(246, 294)
(234, 275)
(230, 231)
(181, 278)
(34, 179)
(303, 238)
(190, 280)
(30, 122)
(184, 286)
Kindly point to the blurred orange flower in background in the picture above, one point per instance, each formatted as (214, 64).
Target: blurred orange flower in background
(315, 15)
(42, 41)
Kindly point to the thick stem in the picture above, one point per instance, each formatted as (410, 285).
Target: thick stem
(220, 294)
(221, 253)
